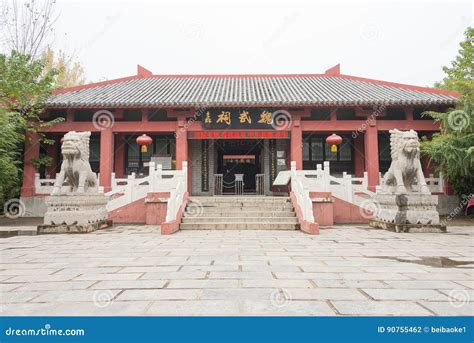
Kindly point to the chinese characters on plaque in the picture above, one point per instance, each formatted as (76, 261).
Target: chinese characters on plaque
(252, 118)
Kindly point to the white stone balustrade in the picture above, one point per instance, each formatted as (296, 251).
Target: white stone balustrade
(435, 184)
(172, 181)
(347, 187)
(301, 193)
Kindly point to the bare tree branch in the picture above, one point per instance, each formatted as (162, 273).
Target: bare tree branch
(27, 25)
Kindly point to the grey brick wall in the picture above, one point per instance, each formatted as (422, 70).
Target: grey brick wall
(196, 167)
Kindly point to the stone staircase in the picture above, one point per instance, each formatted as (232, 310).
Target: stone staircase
(239, 213)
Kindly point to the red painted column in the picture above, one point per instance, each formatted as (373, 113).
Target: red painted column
(359, 155)
(119, 155)
(32, 149)
(53, 153)
(190, 169)
(297, 143)
(69, 116)
(372, 156)
(181, 142)
(106, 158)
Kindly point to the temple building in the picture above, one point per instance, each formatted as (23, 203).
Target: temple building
(234, 128)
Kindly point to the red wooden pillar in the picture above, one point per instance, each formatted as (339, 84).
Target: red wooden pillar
(106, 158)
(359, 156)
(52, 150)
(32, 149)
(372, 156)
(190, 169)
(119, 155)
(297, 143)
(181, 142)
(69, 116)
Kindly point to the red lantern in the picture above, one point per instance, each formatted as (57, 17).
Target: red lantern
(334, 140)
(143, 141)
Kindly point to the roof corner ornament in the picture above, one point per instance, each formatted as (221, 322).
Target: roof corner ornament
(334, 71)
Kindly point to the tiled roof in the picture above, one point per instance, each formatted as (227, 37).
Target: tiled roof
(246, 90)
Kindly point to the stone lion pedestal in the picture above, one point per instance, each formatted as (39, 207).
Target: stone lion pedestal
(78, 213)
(76, 205)
(407, 213)
(404, 203)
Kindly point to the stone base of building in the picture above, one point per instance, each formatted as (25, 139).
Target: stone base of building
(408, 228)
(74, 228)
(76, 209)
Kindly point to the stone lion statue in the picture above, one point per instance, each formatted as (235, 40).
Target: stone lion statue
(405, 171)
(75, 168)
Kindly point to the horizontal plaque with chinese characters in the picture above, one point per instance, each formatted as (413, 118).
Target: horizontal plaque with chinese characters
(239, 134)
(234, 118)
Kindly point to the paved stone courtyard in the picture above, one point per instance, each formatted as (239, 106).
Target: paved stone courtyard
(133, 270)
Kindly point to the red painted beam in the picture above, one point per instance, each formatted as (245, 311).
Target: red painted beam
(417, 125)
(361, 125)
(131, 127)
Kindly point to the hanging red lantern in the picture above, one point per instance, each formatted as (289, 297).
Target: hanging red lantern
(334, 140)
(143, 141)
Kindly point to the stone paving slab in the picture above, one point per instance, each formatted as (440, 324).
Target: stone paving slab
(133, 270)
(385, 308)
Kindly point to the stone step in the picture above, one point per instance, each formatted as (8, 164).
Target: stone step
(245, 206)
(239, 226)
(9, 231)
(239, 212)
(240, 220)
(239, 200)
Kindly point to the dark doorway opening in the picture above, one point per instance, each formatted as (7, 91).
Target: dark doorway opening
(244, 157)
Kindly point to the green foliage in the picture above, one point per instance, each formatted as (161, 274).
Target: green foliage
(460, 76)
(24, 88)
(10, 141)
(452, 149)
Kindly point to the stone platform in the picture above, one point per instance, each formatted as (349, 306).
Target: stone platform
(413, 212)
(74, 228)
(75, 213)
(407, 227)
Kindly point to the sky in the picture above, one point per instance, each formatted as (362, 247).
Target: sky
(406, 42)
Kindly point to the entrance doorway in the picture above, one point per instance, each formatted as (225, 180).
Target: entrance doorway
(239, 160)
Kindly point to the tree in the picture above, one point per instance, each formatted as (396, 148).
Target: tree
(70, 72)
(452, 150)
(27, 25)
(460, 76)
(10, 140)
(24, 88)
